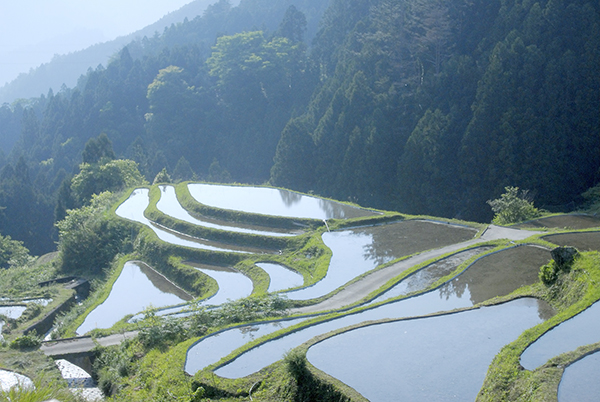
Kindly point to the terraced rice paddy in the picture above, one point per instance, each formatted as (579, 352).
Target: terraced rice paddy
(369, 357)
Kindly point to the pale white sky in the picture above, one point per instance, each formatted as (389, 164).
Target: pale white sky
(32, 31)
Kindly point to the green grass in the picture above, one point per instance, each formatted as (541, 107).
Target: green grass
(571, 294)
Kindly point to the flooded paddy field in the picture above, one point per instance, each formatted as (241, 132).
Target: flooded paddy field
(567, 221)
(281, 278)
(232, 284)
(133, 209)
(582, 329)
(357, 251)
(457, 293)
(439, 346)
(169, 205)
(428, 359)
(582, 241)
(137, 288)
(579, 382)
(272, 201)
(9, 379)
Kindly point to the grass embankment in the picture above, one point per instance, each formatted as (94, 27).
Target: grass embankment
(573, 292)
(18, 283)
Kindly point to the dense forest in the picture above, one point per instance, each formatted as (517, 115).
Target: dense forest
(420, 106)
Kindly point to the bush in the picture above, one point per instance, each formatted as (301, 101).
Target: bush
(26, 342)
(166, 332)
(549, 273)
(32, 311)
(513, 207)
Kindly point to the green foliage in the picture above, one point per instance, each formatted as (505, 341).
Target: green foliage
(112, 176)
(13, 253)
(39, 391)
(98, 150)
(308, 387)
(26, 342)
(162, 177)
(592, 198)
(549, 273)
(162, 332)
(293, 25)
(22, 281)
(33, 310)
(570, 294)
(89, 239)
(513, 207)
(218, 174)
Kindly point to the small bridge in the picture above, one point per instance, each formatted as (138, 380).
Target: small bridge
(79, 350)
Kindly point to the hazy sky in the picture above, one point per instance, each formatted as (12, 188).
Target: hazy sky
(32, 31)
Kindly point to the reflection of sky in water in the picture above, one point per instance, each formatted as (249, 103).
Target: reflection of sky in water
(268, 353)
(233, 285)
(458, 293)
(133, 209)
(132, 292)
(281, 278)
(580, 380)
(353, 255)
(428, 275)
(169, 205)
(270, 201)
(428, 359)
(214, 347)
(583, 329)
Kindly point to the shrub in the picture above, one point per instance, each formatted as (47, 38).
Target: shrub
(26, 342)
(513, 206)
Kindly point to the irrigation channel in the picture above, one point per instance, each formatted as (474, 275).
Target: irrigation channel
(379, 348)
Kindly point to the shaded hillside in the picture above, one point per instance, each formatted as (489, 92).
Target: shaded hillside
(419, 106)
(434, 107)
(67, 68)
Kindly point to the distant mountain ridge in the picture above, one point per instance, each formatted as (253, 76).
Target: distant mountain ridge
(67, 68)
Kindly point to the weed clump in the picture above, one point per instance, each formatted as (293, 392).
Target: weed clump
(562, 260)
(26, 342)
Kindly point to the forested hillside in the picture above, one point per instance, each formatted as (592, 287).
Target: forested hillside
(421, 106)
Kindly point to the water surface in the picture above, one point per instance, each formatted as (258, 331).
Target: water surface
(429, 359)
(430, 274)
(137, 288)
(282, 278)
(133, 209)
(579, 382)
(214, 347)
(357, 251)
(462, 292)
(583, 329)
(233, 284)
(271, 201)
(582, 241)
(169, 205)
